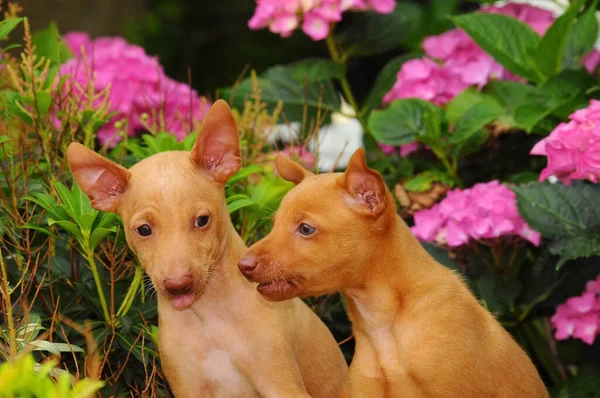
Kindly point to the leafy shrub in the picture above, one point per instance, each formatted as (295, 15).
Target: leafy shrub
(462, 151)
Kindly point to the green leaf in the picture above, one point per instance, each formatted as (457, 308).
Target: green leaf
(556, 210)
(424, 181)
(68, 226)
(8, 25)
(568, 215)
(384, 82)
(4, 139)
(373, 33)
(316, 70)
(476, 118)
(582, 37)
(459, 105)
(50, 45)
(98, 235)
(440, 255)
(507, 39)
(402, 122)
(71, 205)
(240, 204)
(54, 348)
(572, 247)
(38, 228)
(10, 47)
(44, 100)
(549, 55)
(278, 84)
(244, 172)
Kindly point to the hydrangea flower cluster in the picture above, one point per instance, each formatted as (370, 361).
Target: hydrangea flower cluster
(573, 148)
(463, 62)
(315, 16)
(485, 211)
(579, 316)
(138, 86)
(404, 150)
(302, 155)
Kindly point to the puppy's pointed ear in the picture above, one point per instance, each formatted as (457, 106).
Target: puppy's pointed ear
(290, 170)
(217, 148)
(102, 180)
(365, 186)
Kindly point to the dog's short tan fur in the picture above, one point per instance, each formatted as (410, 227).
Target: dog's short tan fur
(419, 331)
(230, 341)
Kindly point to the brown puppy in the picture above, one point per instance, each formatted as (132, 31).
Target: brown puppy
(419, 331)
(218, 337)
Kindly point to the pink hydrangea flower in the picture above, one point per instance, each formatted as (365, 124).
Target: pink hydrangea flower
(404, 150)
(573, 148)
(579, 316)
(485, 211)
(314, 16)
(463, 57)
(425, 79)
(301, 155)
(138, 86)
(591, 61)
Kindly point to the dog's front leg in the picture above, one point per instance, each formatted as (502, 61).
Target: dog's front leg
(366, 377)
(275, 373)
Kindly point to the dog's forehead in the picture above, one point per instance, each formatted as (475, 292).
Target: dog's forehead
(170, 175)
(314, 195)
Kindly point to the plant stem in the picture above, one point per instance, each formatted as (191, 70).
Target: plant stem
(538, 341)
(338, 58)
(12, 334)
(452, 169)
(131, 292)
(92, 261)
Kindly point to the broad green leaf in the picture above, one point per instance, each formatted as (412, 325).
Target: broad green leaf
(507, 39)
(316, 70)
(384, 82)
(68, 226)
(239, 204)
(582, 38)
(50, 45)
(4, 139)
(423, 182)
(569, 248)
(373, 33)
(476, 118)
(459, 105)
(278, 84)
(402, 122)
(549, 55)
(39, 229)
(8, 25)
(44, 100)
(71, 205)
(245, 172)
(54, 348)
(582, 386)
(49, 204)
(98, 235)
(233, 198)
(568, 215)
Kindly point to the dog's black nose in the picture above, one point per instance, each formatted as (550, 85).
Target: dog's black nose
(247, 265)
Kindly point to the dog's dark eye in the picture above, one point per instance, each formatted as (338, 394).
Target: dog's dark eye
(144, 230)
(306, 229)
(201, 221)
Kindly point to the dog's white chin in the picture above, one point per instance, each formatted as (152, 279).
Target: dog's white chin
(183, 301)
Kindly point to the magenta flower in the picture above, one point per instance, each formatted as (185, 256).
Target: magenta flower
(573, 148)
(591, 61)
(138, 86)
(422, 78)
(579, 316)
(404, 150)
(314, 16)
(301, 155)
(485, 211)
(463, 57)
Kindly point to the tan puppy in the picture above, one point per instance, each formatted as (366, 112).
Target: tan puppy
(419, 331)
(218, 337)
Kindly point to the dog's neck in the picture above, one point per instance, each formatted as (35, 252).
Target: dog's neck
(393, 279)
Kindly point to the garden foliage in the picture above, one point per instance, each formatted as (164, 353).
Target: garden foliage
(486, 128)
